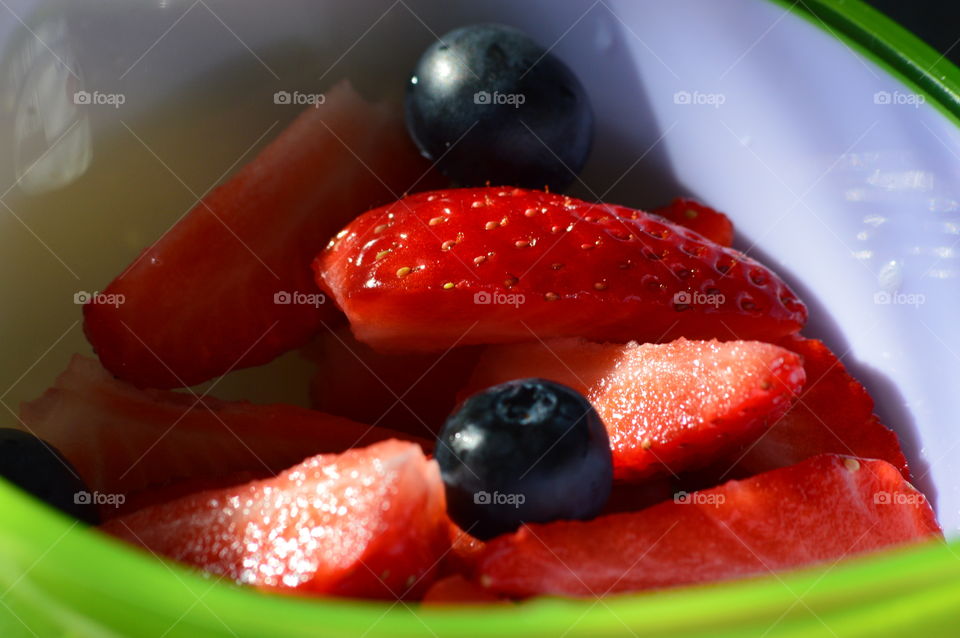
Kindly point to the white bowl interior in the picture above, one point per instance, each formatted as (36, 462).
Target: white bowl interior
(834, 172)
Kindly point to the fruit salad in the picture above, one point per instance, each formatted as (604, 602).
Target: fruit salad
(515, 392)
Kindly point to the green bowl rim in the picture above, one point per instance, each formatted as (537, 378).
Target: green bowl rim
(890, 46)
(914, 589)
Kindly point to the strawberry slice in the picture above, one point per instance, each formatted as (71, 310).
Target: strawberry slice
(413, 392)
(667, 407)
(369, 522)
(464, 552)
(495, 265)
(824, 509)
(157, 495)
(701, 219)
(833, 414)
(457, 590)
(122, 439)
(230, 285)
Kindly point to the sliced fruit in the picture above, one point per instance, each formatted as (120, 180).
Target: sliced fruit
(464, 552)
(499, 265)
(122, 440)
(824, 509)
(229, 286)
(368, 522)
(667, 407)
(457, 590)
(691, 214)
(411, 392)
(157, 495)
(833, 414)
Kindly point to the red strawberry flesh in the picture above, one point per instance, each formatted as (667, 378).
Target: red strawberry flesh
(122, 439)
(495, 265)
(701, 219)
(457, 590)
(667, 407)
(824, 509)
(202, 300)
(833, 414)
(369, 522)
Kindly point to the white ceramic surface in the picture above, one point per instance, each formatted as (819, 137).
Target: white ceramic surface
(831, 169)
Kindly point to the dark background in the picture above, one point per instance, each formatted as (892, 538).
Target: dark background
(935, 21)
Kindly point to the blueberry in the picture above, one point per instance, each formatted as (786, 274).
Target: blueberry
(529, 450)
(491, 105)
(37, 468)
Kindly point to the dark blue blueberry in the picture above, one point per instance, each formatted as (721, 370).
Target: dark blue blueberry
(491, 105)
(37, 468)
(529, 450)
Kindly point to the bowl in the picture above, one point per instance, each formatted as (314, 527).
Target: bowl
(828, 132)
